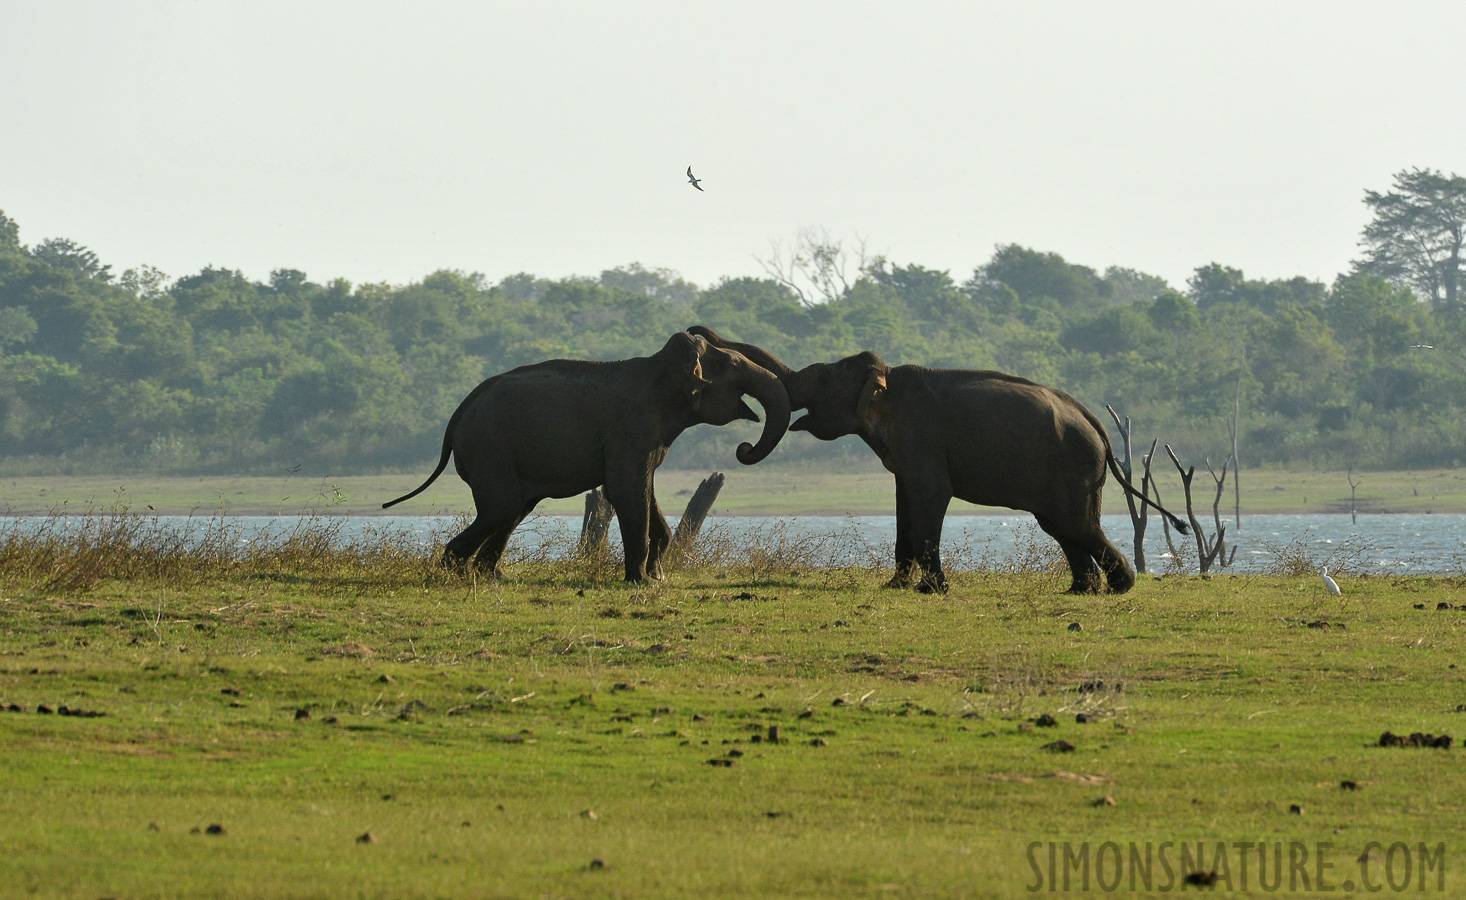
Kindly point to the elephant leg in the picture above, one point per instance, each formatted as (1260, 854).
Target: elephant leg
(487, 560)
(1084, 573)
(1119, 574)
(927, 508)
(659, 538)
(457, 551)
(495, 514)
(905, 575)
(631, 497)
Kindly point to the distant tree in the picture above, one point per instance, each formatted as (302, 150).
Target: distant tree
(16, 326)
(1417, 234)
(757, 310)
(9, 233)
(1043, 279)
(662, 284)
(1133, 286)
(1373, 317)
(145, 282)
(61, 253)
(930, 295)
(815, 266)
(1120, 329)
(1214, 284)
(1172, 311)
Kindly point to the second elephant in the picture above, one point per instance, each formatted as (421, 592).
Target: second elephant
(981, 436)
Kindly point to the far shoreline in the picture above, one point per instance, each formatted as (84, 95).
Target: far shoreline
(758, 491)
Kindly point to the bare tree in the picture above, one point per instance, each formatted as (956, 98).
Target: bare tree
(1216, 511)
(1233, 427)
(815, 266)
(1138, 517)
(1208, 549)
(1353, 486)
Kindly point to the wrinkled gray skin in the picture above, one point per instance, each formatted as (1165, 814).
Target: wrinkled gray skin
(984, 437)
(562, 427)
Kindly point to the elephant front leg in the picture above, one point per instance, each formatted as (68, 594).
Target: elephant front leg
(659, 539)
(928, 509)
(905, 575)
(631, 498)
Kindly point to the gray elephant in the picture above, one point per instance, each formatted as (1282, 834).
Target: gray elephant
(984, 437)
(562, 427)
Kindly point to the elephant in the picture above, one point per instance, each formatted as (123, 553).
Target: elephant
(562, 427)
(981, 436)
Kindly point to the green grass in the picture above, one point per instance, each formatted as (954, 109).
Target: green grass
(472, 728)
(764, 490)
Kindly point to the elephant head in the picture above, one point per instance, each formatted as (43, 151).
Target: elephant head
(713, 381)
(841, 397)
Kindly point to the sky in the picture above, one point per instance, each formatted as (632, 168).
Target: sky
(380, 142)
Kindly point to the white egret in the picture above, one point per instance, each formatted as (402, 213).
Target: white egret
(1329, 584)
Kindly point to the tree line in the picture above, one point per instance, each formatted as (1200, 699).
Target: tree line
(216, 372)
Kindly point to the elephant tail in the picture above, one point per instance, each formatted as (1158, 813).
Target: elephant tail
(442, 464)
(1114, 465)
(1120, 477)
(447, 443)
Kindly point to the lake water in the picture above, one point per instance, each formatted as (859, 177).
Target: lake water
(1401, 544)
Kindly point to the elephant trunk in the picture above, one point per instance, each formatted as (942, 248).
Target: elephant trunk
(765, 387)
(757, 354)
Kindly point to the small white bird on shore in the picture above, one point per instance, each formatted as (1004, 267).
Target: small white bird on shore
(1328, 583)
(693, 179)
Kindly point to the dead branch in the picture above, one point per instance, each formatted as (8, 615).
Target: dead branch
(1206, 548)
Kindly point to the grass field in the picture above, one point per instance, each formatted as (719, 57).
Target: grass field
(758, 491)
(359, 724)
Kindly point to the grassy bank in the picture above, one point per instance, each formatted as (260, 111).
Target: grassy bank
(758, 491)
(359, 724)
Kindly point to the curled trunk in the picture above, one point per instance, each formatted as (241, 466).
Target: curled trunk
(755, 353)
(765, 387)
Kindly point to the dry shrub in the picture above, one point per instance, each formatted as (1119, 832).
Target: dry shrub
(1305, 555)
(770, 550)
(69, 554)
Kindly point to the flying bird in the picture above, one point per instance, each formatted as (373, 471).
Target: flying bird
(1329, 584)
(693, 179)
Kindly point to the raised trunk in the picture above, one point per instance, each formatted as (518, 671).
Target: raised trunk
(765, 387)
(757, 354)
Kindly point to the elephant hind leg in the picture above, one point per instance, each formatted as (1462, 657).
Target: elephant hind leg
(492, 550)
(1119, 574)
(488, 532)
(1085, 573)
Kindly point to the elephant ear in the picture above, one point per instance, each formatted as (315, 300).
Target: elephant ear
(875, 386)
(689, 366)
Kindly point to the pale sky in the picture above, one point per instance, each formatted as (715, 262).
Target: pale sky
(382, 141)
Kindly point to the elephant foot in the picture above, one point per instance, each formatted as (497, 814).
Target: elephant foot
(904, 578)
(452, 563)
(932, 585)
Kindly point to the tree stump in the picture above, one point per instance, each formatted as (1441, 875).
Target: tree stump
(697, 510)
(596, 525)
